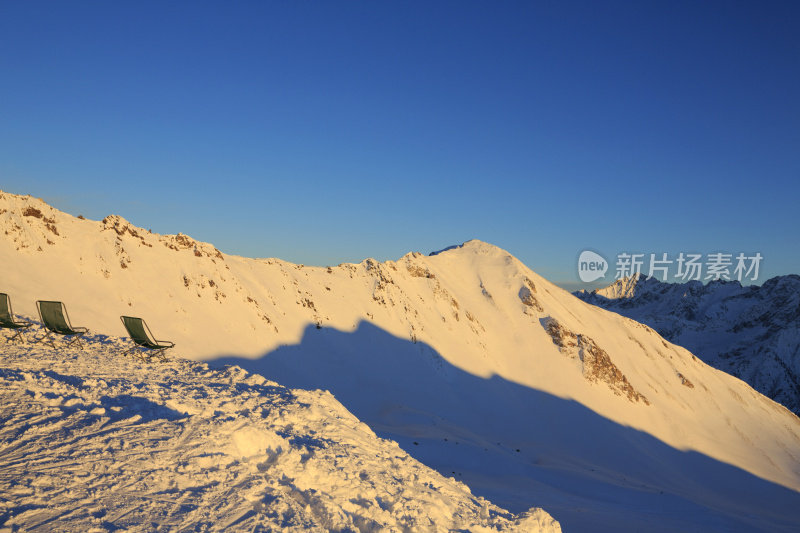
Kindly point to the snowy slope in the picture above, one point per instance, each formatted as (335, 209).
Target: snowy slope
(751, 332)
(472, 362)
(94, 441)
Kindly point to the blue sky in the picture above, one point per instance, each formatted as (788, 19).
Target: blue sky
(323, 132)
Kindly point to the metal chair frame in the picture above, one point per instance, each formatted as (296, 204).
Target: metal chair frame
(153, 349)
(10, 323)
(77, 332)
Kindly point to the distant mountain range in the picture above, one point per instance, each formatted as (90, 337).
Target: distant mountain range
(751, 332)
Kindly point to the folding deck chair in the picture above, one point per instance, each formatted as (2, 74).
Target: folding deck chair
(143, 337)
(7, 318)
(56, 320)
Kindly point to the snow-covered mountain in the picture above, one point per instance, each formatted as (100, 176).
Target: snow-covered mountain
(752, 332)
(473, 363)
(94, 441)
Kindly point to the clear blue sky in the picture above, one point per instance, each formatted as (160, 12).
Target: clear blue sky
(322, 132)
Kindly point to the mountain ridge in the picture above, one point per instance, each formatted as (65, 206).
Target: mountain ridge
(470, 318)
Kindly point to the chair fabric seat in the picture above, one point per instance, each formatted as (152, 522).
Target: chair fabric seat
(7, 318)
(141, 336)
(13, 325)
(56, 320)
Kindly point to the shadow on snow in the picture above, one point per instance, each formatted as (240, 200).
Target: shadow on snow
(521, 447)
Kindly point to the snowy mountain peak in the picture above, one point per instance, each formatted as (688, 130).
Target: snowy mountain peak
(474, 246)
(446, 249)
(628, 287)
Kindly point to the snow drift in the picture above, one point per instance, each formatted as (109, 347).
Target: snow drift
(94, 441)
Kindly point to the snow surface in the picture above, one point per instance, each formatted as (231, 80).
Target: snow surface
(95, 441)
(476, 365)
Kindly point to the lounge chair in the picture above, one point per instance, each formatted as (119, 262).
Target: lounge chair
(143, 337)
(56, 320)
(7, 318)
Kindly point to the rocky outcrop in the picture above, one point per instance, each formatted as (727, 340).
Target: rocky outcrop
(596, 364)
